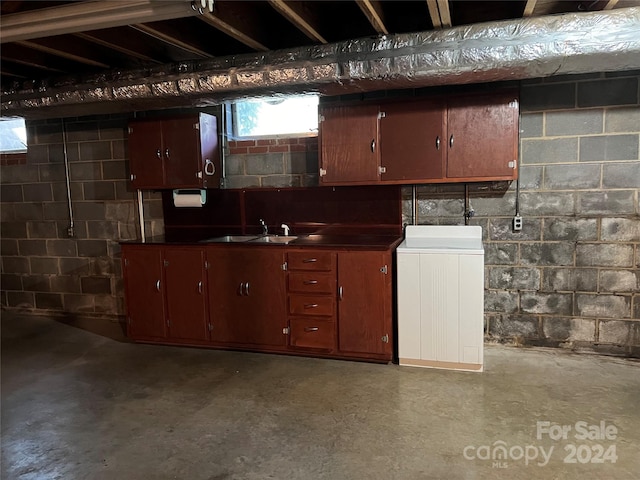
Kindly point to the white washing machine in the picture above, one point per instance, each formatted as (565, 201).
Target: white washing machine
(441, 297)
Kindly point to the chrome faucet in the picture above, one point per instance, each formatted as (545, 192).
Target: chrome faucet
(286, 229)
(265, 229)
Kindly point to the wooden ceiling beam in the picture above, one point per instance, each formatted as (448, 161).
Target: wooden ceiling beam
(432, 5)
(529, 8)
(92, 37)
(372, 9)
(171, 39)
(61, 52)
(445, 14)
(300, 17)
(610, 4)
(239, 21)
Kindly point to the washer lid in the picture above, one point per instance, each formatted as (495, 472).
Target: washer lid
(443, 239)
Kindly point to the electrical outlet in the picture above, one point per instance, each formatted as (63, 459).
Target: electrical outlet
(517, 223)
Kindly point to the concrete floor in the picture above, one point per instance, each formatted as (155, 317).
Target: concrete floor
(77, 405)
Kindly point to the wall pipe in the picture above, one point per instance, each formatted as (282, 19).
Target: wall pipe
(71, 232)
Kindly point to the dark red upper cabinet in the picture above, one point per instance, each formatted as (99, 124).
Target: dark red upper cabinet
(349, 145)
(482, 140)
(412, 146)
(174, 152)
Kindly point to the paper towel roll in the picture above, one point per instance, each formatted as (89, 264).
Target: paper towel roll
(192, 198)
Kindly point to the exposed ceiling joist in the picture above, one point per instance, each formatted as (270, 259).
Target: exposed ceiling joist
(610, 4)
(52, 49)
(114, 46)
(439, 13)
(84, 16)
(373, 11)
(170, 39)
(434, 14)
(445, 14)
(300, 17)
(529, 8)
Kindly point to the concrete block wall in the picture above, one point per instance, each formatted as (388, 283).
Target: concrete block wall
(571, 277)
(282, 162)
(43, 268)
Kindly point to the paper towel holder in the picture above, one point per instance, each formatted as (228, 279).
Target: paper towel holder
(202, 193)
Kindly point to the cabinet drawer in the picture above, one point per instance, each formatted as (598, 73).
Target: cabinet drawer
(316, 333)
(311, 305)
(311, 282)
(319, 261)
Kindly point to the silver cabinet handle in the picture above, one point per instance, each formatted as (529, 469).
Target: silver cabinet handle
(451, 141)
(246, 289)
(166, 153)
(373, 145)
(311, 329)
(310, 282)
(241, 289)
(158, 153)
(340, 293)
(309, 260)
(209, 167)
(200, 287)
(438, 142)
(311, 305)
(158, 285)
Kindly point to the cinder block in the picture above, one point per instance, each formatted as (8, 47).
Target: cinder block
(636, 307)
(619, 281)
(620, 229)
(501, 301)
(309, 181)
(106, 304)
(615, 331)
(56, 154)
(37, 192)
(15, 264)
(604, 255)
(42, 229)
(574, 122)
(501, 229)
(29, 211)
(609, 147)
(234, 165)
(89, 210)
(268, 164)
(62, 248)
(8, 212)
(622, 119)
(493, 205)
(99, 190)
(85, 171)
(103, 266)
(606, 202)
(547, 203)
(572, 229)
(65, 284)
(47, 133)
(124, 190)
(115, 170)
(514, 278)
(37, 154)
(505, 326)
(603, 306)
(56, 211)
(13, 230)
(51, 173)
(44, 265)
(92, 151)
(621, 175)
(280, 181)
(9, 246)
(152, 209)
(113, 128)
(29, 248)
(103, 229)
(547, 97)
(11, 281)
(35, 283)
(556, 254)
(92, 248)
(530, 177)
(75, 303)
(552, 150)
(24, 300)
(569, 329)
(547, 303)
(571, 177)
(118, 149)
(95, 285)
(602, 93)
(300, 163)
(531, 125)
(82, 131)
(501, 253)
(569, 279)
(123, 212)
(75, 266)
(49, 301)
(60, 191)
(11, 193)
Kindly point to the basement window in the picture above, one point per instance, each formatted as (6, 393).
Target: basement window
(13, 135)
(294, 116)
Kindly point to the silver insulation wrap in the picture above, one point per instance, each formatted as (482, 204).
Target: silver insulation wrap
(510, 50)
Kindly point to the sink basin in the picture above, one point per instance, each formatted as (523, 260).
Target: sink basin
(231, 239)
(283, 239)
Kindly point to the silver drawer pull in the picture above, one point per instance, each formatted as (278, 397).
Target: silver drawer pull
(310, 282)
(158, 285)
(311, 305)
(200, 287)
(438, 142)
(310, 260)
(311, 329)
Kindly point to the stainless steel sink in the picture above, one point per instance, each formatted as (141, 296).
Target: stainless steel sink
(282, 239)
(231, 239)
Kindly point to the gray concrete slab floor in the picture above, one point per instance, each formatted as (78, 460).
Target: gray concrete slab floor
(77, 405)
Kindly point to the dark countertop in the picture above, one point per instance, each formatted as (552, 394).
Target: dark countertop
(349, 241)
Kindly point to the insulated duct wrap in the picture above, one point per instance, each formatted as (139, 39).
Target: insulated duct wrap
(510, 50)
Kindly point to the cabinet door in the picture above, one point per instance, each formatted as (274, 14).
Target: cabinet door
(364, 317)
(209, 161)
(483, 136)
(349, 146)
(181, 151)
(247, 296)
(412, 141)
(186, 293)
(144, 292)
(145, 154)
